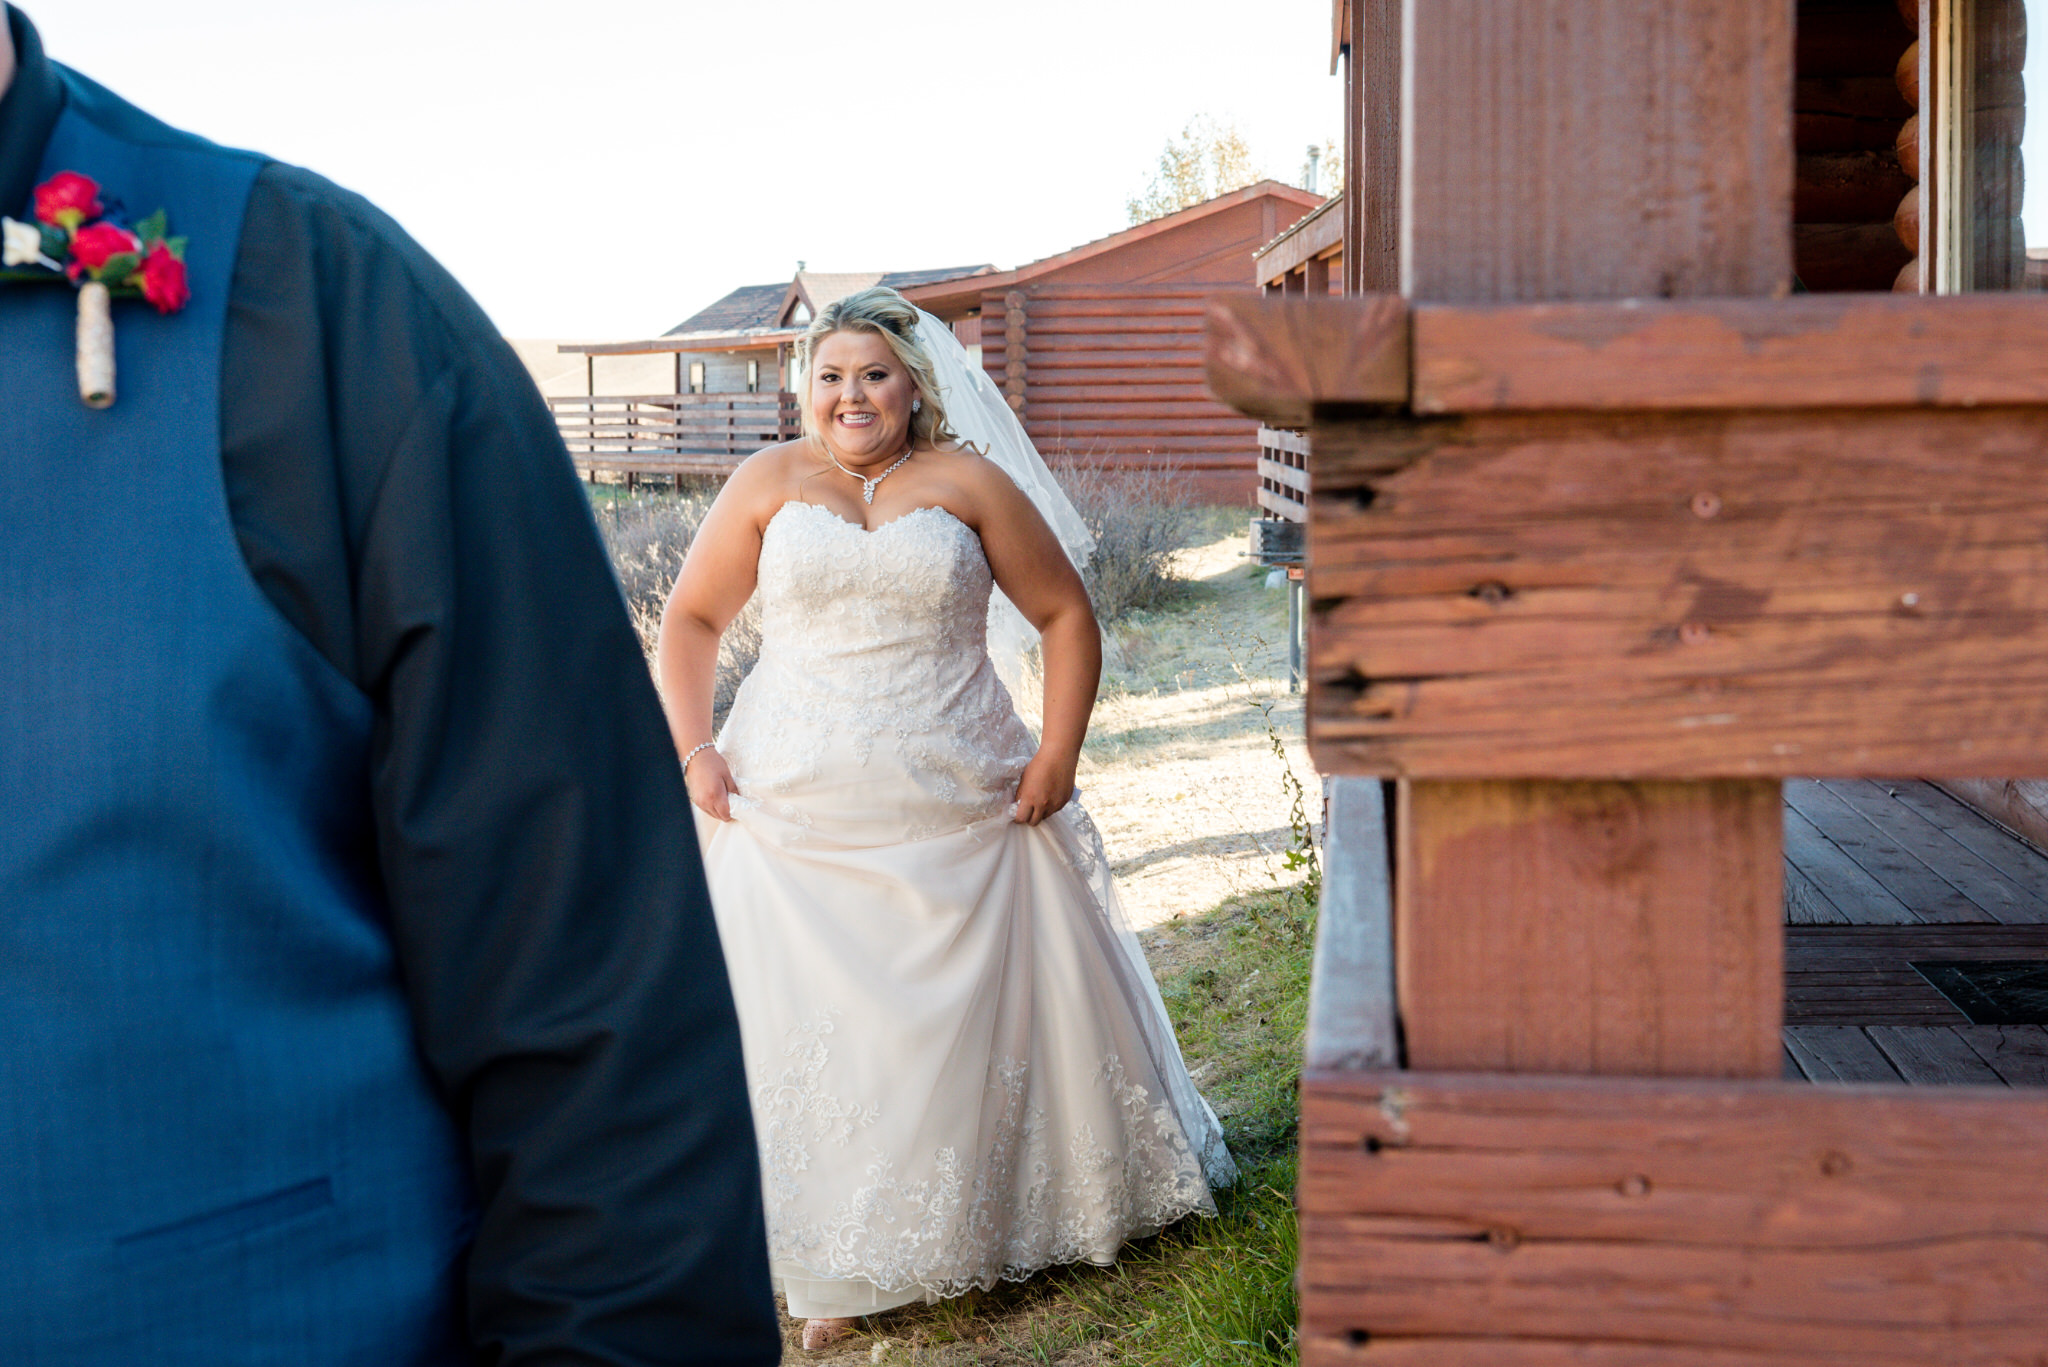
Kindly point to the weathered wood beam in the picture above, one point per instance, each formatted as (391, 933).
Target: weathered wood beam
(1653, 946)
(1964, 351)
(1538, 1222)
(1351, 1014)
(1281, 359)
(1718, 595)
(1598, 149)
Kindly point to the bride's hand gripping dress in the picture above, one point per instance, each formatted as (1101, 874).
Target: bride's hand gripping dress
(960, 1066)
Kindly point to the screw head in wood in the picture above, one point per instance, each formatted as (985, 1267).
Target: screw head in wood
(1503, 1238)
(1834, 1163)
(1695, 633)
(1634, 1185)
(1705, 505)
(1909, 600)
(1492, 593)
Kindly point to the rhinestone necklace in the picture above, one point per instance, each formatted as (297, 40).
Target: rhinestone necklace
(867, 486)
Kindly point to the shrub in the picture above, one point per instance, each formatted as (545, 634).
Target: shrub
(647, 536)
(1140, 519)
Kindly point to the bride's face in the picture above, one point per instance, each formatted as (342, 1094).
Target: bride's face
(860, 397)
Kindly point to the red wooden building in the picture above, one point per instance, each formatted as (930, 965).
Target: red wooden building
(1674, 478)
(1099, 349)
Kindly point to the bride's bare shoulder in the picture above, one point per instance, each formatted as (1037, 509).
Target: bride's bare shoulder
(763, 480)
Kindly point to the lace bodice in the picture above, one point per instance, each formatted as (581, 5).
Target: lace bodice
(874, 641)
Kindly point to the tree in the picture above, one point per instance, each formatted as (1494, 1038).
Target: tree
(1207, 159)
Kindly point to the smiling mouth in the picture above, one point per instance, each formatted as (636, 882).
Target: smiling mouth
(858, 419)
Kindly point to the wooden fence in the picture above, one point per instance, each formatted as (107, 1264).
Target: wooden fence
(671, 434)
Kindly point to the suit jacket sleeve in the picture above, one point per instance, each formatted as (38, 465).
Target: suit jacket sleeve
(400, 491)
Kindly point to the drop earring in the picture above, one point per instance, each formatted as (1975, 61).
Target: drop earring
(916, 405)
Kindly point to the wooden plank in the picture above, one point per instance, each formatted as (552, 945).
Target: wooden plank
(1933, 1056)
(1839, 1053)
(1279, 359)
(1806, 904)
(1318, 234)
(1810, 351)
(1997, 896)
(1283, 474)
(1585, 595)
(1928, 895)
(1579, 149)
(1351, 1018)
(1860, 897)
(1372, 148)
(1652, 909)
(2027, 869)
(2020, 805)
(2017, 1053)
(1781, 1221)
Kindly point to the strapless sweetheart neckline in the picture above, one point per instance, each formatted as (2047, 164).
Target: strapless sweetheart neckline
(858, 527)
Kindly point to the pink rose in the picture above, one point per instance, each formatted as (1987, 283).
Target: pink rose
(68, 199)
(91, 248)
(163, 279)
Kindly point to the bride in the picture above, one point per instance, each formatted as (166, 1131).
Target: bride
(960, 1066)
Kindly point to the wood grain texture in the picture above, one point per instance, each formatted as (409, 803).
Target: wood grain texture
(1591, 927)
(2020, 805)
(1597, 149)
(1278, 359)
(1806, 352)
(1449, 1218)
(1351, 1016)
(1372, 148)
(1614, 596)
(1839, 1053)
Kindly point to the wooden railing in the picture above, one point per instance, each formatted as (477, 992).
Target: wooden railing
(671, 434)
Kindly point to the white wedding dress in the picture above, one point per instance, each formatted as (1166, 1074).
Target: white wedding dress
(961, 1068)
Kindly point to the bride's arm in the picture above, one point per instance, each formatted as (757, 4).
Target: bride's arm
(716, 580)
(1033, 571)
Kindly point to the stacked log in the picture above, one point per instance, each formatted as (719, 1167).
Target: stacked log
(1906, 220)
(1848, 182)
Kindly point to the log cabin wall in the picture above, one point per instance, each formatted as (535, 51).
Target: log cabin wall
(1111, 376)
(1850, 211)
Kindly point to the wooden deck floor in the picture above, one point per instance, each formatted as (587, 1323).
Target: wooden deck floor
(1882, 875)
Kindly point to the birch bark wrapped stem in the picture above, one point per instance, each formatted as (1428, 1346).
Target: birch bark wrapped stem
(95, 346)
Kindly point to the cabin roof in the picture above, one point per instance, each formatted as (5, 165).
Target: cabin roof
(766, 315)
(948, 293)
(749, 306)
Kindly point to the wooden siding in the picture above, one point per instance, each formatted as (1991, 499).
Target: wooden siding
(1113, 375)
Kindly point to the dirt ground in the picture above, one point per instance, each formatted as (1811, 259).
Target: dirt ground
(1179, 770)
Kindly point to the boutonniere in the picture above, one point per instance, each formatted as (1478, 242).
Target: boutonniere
(73, 242)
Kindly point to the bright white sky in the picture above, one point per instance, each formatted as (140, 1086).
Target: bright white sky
(594, 168)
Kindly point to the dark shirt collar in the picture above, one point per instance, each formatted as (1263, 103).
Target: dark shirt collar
(27, 114)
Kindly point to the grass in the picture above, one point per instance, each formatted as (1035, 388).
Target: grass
(1210, 1292)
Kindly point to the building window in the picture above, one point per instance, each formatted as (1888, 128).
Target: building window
(696, 377)
(753, 377)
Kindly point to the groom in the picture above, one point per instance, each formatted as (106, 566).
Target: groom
(359, 997)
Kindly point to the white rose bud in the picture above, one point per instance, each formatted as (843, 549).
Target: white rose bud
(23, 246)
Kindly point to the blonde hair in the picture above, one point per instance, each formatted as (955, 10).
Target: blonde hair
(888, 315)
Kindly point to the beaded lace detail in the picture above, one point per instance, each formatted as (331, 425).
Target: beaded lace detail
(872, 634)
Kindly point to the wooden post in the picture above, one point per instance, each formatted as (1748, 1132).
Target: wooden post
(1372, 147)
(1583, 149)
(1315, 274)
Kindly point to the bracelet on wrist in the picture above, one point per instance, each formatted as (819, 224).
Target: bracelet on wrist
(694, 753)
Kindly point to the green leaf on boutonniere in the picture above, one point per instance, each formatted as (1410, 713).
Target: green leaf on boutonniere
(56, 242)
(152, 228)
(177, 246)
(119, 267)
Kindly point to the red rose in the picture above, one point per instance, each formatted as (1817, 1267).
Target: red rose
(67, 199)
(163, 279)
(91, 247)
